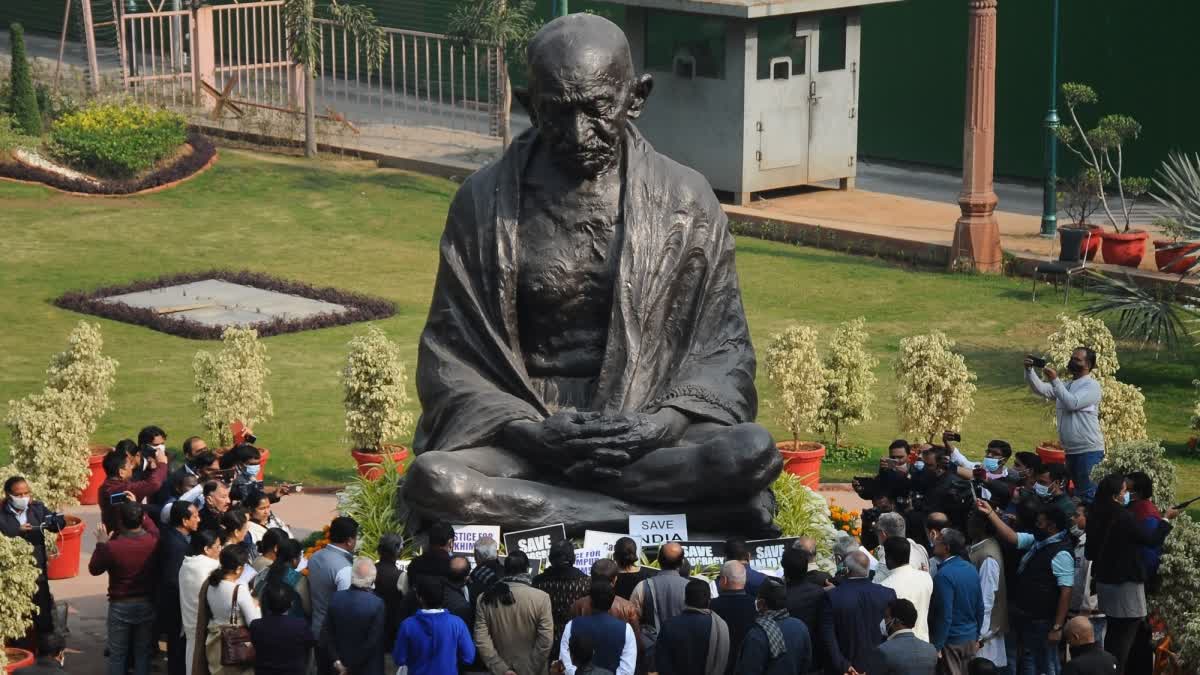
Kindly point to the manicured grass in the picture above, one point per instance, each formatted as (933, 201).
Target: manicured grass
(350, 225)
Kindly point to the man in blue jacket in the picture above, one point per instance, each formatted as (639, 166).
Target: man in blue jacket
(433, 641)
(850, 617)
(352, 634)
(956, 611)
(777, 643)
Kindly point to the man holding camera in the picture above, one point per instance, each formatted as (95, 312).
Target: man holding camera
(120, 486)
(1077, 409)
(22, 517)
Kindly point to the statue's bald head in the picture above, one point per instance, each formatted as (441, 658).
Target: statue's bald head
(583, 92)
(580, 46)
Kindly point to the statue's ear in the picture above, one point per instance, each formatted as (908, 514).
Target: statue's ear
(641, 91)
(525, 98)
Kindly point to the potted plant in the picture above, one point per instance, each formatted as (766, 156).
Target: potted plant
(935, 390)
(18, 584)
(795, 369)
(1101, 150)
(802, 512)
(1176, 601)
(1173, 255)
(85, 374)
(849, 380)
(50, 449)
(232, 386)
(375, 387)
(1080, 201)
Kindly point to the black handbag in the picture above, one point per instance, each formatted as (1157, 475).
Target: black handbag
(236, 647)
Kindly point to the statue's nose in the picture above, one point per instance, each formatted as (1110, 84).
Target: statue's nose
(580, 128)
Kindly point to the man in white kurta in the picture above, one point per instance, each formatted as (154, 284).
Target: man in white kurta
(909, 583)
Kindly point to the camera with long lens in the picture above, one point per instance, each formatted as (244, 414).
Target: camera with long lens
(54, 522)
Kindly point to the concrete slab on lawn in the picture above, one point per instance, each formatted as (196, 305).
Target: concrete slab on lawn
(214, 302)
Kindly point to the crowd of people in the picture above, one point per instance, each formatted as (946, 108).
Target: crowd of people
(1004, 565)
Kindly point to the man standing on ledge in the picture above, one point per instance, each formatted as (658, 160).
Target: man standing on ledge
(586, 355)
(1077, 410)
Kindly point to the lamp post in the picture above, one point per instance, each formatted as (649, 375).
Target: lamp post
(1050, 188)
(560, 8)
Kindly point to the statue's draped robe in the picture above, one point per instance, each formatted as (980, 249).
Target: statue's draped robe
(677, 333)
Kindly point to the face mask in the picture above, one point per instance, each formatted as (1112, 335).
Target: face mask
(918, 466)
(161, 447)
(252, 470)
(1076, 532)
(19, 503)
(1073, 368)
(1125, 502)
(1041, 490)
(991, 464)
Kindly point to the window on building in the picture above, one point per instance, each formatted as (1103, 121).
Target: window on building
(688, 45)
(833, 43)
(777, 39)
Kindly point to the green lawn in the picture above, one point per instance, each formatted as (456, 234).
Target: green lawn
(350, 225)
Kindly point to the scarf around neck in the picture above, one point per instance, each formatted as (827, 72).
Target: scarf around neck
(768, 621)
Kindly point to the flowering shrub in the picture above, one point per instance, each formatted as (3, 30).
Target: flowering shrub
(1122, 412)
(18, 583)
(1178, 601)
(84, 373)
(849, 379)
(795, 369)
(846, 520)
(49, 446)
(375, 386)
(1083, 331)
(1150, 458)
(934, 389)
(804, 513)
(232, 385)
(116, 139)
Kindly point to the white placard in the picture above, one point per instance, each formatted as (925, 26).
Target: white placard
(604, 541)
(585, 557)
(658, 529)
(465, 536)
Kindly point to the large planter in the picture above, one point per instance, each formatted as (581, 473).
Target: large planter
(1124, 248)
(1168, 255)
(66, 564)
(803, 459)
(1090, 247)
(17, 658)
(1051, 452)
(370, 464)
(91, 493)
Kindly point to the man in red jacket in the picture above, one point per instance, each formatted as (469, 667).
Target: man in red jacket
(130, 561)
(120, 481)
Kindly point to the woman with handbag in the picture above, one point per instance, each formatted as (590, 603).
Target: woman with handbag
(204, 551)
(226, 609)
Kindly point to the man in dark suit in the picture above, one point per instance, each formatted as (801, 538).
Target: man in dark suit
(735, 606)
(804, 598)
(184, 519)
(22, 517)
(903, 653)
(352, 634)
(850, 617)
(52, 650)
(1087, 657)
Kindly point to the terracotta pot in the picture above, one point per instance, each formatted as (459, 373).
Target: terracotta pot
(370, 464)
(1124, 248)
(1168, 255)
(17, 658)
(1090, 246)
(803, 459)
(1050, 452)
(91, 493)
(66, 564)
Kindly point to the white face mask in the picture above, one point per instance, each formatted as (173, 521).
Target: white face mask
(19, 503)
(161, 447)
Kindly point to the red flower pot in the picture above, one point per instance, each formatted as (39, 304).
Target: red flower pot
(91, 493)
(1090, 247)
(370, 464)
(1168, 255)
(1124, 248)
(803, 459)
(66, 564)
(17, 658)
(1051, 453)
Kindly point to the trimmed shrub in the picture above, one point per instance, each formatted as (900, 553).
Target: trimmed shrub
(375, 385)
(232, 386)
(18, 583)
(117, 140)
(935, 389)
(795, 368)
(23, 102)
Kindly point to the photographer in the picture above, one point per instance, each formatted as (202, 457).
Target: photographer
(1077, 410)
(22, 517)
(242, 469)
(120, 485)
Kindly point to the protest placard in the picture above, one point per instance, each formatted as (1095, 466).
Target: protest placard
(658, 529)
(766, 555)
(465, 536)
(535, 543)
(585, 557)
(601, 540)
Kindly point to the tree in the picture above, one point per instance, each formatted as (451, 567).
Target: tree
(497, 23)
(231, 386)
(49, 446)
(935, 390)
(23, 103)
(375, 387)
(84, 373)
(795, 369)
(304, 36)
(849, 380)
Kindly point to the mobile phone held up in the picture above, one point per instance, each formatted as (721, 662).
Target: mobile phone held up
(1037, 362)
(118, 498)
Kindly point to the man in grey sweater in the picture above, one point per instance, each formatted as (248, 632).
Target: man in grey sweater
(1077, 409)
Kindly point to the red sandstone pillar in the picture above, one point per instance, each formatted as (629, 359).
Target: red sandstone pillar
(977, 235)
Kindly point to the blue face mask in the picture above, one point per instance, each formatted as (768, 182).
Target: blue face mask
(1041, 490)
(918, 466)
(1126, 499)
(252, 470)
(991, 464)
